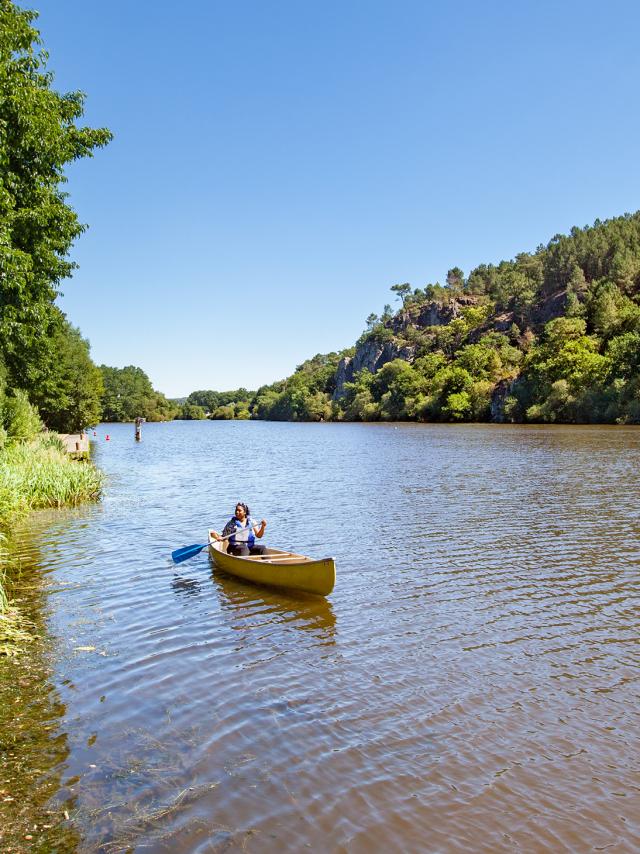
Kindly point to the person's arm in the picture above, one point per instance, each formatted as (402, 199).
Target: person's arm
(216, 535)
(258, 530)
(228, 530)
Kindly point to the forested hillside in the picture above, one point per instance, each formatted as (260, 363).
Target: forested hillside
(550, 336)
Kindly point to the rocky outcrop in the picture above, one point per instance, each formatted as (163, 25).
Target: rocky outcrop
(500, 394)
(431, 314)
(504, 389)
(434, 314)
(371, 356)
(554, 305)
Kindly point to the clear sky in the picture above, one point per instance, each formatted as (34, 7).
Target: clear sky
(278, 166)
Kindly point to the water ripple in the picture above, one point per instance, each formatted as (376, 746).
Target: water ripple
(474, 675)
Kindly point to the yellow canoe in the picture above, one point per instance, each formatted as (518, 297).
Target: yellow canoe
(278, 568)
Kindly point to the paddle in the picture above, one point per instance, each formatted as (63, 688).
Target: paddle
(191, 551)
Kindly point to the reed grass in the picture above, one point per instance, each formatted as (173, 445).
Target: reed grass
(39, 474)
(34, 475)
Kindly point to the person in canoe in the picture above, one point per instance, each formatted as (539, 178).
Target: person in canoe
(244, 531)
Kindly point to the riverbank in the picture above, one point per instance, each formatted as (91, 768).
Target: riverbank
(35, 475)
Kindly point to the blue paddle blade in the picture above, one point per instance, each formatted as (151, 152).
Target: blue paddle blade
(186, 552)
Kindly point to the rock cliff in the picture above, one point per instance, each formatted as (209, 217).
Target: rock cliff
(372, 354)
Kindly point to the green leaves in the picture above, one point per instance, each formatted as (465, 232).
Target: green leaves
(21, 420)
(128, 393)
(38, 138)
(69, 398)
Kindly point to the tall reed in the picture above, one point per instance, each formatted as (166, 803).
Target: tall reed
(35, 475)
(39, 474)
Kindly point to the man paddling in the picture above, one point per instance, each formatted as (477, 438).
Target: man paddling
(243, 531)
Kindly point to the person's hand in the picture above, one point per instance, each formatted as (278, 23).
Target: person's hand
(216, 535)
(263, 523)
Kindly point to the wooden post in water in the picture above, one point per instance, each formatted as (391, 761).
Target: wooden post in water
(138, 423)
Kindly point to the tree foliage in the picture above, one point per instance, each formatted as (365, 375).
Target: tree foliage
(70, 396)
(39, 137)
(128, 394)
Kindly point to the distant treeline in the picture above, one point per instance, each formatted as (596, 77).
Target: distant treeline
(551, 336)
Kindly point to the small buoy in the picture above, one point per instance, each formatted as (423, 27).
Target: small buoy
(106, 438)
(94, 433)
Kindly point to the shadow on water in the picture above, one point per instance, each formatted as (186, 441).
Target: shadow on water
(33, 746)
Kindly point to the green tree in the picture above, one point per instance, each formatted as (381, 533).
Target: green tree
(128, 393)
(455, 280)
(39, 136)
(396, 386)
(21, 420)
(562, 371)
(191, 412)
(358, 403)
(71, 397)
(401, 291)
(208, 400)
(480, 361)
(372, 320)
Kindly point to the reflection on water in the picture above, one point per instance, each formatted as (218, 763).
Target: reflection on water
(247, 605)
(470, 684)
(186, 587)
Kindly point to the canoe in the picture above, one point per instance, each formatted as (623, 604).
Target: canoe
(278, 568)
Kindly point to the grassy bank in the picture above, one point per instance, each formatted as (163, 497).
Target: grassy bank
(36, 475)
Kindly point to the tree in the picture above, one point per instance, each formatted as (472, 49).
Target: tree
(191, 412)
(208, 400)
(455, 280)
(402, 291)
(39, 136)
(372, 320)
(20, 418)
(71, 397)
(128, 393)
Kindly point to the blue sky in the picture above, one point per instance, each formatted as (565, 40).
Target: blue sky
(278, 166)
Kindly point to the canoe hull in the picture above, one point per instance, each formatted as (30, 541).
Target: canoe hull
(278, 569)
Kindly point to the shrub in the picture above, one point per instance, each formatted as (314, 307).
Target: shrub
(21, 419)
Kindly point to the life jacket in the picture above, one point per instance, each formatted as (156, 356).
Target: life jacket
(244, 534)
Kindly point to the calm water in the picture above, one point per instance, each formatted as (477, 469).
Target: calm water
(470, 684)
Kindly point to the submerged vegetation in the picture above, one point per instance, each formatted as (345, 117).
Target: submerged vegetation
(551, 336)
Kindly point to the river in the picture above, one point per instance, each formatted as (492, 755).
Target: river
(471, 684)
